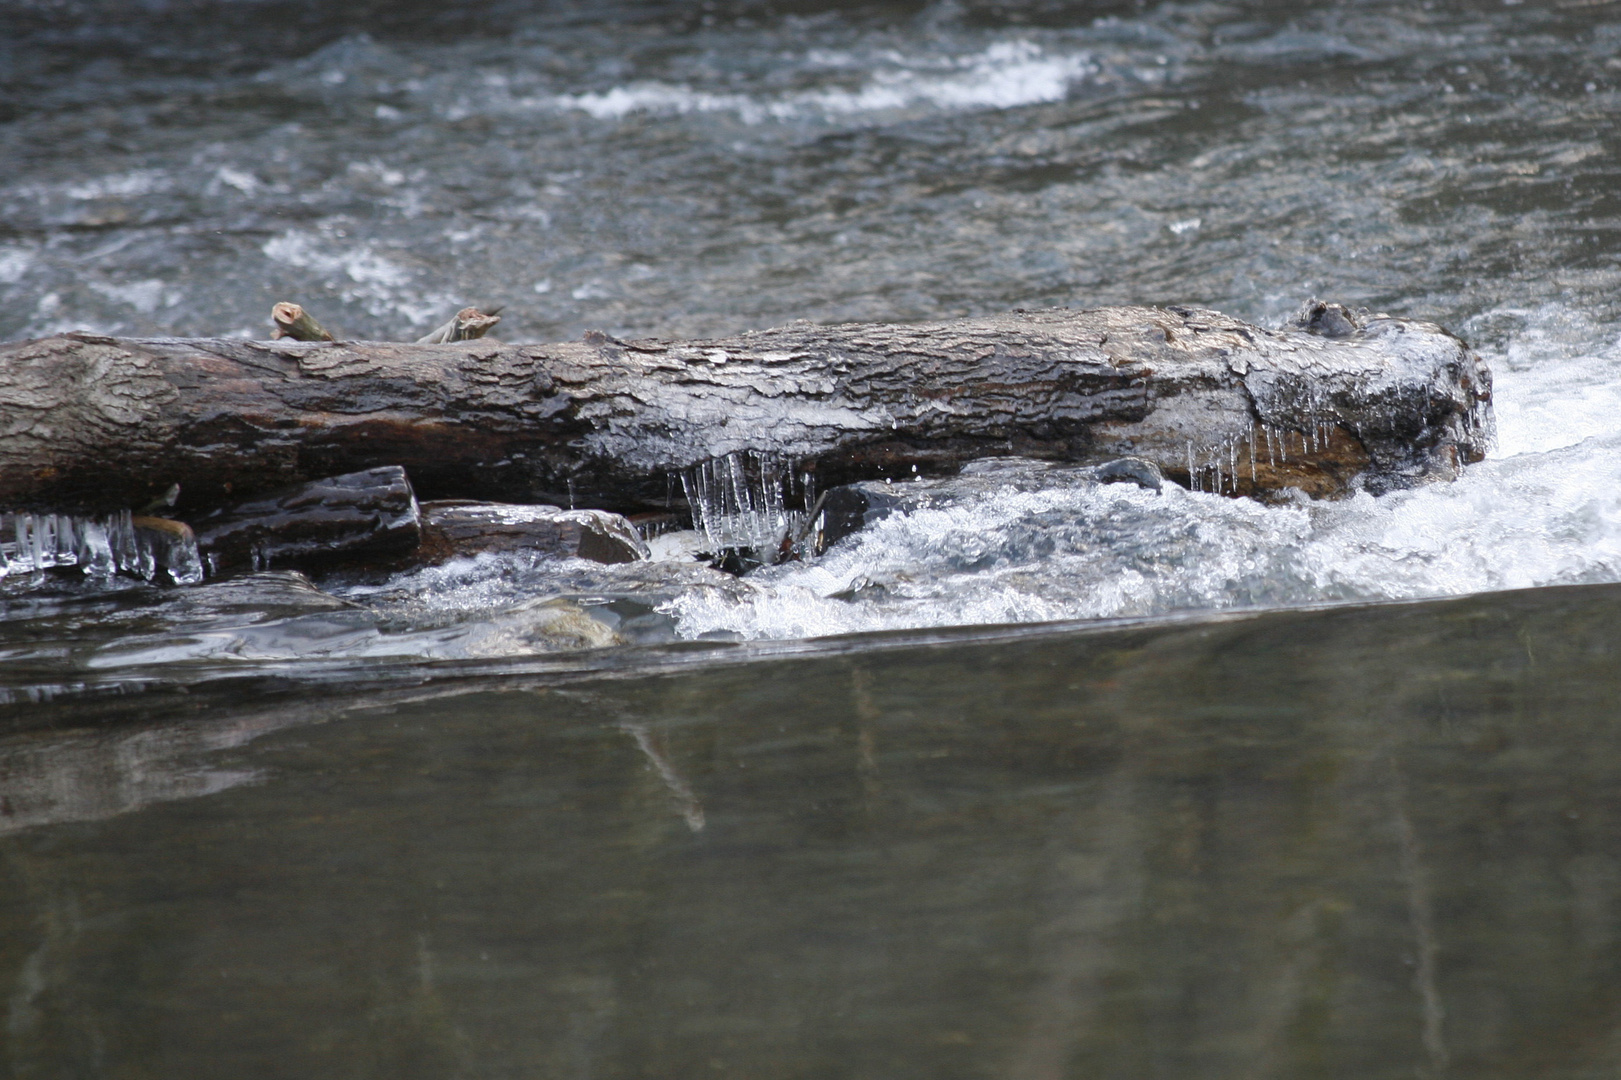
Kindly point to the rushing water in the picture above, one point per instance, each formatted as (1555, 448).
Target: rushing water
(677, 171)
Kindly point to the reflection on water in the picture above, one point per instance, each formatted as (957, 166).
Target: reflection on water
(1353, 842)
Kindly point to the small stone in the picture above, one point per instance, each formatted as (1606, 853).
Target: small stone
(454, 528)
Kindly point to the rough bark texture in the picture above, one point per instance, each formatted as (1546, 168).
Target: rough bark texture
(95, 422)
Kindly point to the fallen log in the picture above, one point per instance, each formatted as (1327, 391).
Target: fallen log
(89, 422)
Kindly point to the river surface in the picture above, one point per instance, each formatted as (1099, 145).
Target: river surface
(1047, 778)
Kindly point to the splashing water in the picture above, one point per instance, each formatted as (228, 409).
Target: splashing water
(1046, 546)
(684, 178)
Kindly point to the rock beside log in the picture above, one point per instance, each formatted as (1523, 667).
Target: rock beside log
(368, 514)
(1338, 399)
(459, 527)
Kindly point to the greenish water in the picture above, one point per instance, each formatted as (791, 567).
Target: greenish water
(1351, 842)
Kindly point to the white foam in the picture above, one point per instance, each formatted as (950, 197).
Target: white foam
(358, 273)
(120, 185)
(359, 264)
(1555, 381)
(1004, 75)
(14, 263)
(1087, 552)
(144, 296)
(1532, 519)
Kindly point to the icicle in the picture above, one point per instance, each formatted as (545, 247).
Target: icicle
(178, 555)
(740, 500)
(95, 553)
(44, 541)
(36, 545)
(99, 548)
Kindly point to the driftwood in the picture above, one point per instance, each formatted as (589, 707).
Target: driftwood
(468, 324)
(292, 321)
(94, 422)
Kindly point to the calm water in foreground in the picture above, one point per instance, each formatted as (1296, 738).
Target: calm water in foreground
(1355, 842)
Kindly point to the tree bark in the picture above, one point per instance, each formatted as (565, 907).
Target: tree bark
(95, 423)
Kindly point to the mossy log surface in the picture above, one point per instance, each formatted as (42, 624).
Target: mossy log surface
(89, 422)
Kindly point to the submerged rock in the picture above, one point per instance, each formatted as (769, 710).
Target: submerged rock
(372, 514)
(267, 594)
(459, 527)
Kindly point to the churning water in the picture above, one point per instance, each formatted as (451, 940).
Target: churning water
(690, 171)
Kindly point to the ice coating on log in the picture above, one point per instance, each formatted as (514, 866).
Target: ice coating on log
(1384, 403)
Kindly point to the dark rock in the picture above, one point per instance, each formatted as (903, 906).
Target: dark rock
(1129, 470)
(1329, 320)
(461, 527)
(369, 514)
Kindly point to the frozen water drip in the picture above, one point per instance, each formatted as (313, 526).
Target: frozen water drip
(99, 547)
(740, 501)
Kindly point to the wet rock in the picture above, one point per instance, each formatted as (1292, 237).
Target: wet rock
(548, 625)
(1128, 470)
(462, 527)
(368, 514)
(852, 507)
(1329, 320)
(268, 594)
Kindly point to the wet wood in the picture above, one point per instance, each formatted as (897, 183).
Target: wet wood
(88, 421)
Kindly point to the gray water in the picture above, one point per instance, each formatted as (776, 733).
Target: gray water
(1042, 779)
(1366, 842)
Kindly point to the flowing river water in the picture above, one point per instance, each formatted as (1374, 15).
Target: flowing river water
(1044, 779)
